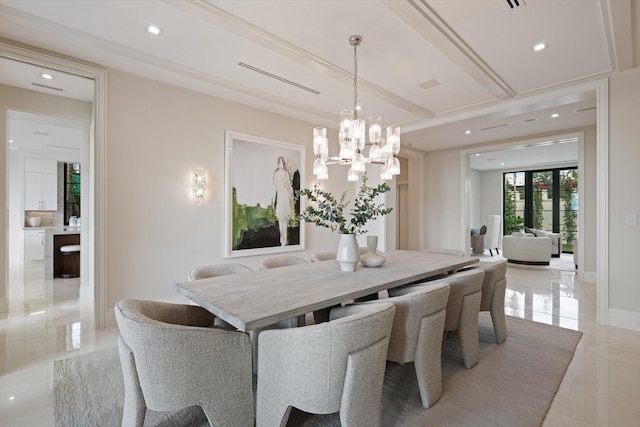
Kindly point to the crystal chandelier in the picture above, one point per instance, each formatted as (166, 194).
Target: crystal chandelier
(352, 138)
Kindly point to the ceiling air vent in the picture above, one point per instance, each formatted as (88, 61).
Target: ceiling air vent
(273, 76)
(48, 87)
(582, 110)
(515, 3)
(520, 122)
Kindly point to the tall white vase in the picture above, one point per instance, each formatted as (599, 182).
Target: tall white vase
(348, 254)
(372, 258)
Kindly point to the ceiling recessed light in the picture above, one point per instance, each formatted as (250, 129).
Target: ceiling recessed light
(46, 76)
(153, 30)
(11, 141)
(501, 163)
(555, 115)
(477, 154)
(540, 46)
(467, 132)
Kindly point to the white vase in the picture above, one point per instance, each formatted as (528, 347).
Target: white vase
(348, 254)
(372, 258)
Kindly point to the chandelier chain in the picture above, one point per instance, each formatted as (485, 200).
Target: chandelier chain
(355, 80)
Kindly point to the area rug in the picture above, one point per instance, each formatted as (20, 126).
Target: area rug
(512, 385)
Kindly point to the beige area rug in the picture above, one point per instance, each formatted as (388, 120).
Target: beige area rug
(512, 385)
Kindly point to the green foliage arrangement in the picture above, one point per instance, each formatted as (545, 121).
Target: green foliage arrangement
(327, 211)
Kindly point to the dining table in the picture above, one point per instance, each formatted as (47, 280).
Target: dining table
(255, 300)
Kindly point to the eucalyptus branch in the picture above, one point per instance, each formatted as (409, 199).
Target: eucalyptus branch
(327, 211)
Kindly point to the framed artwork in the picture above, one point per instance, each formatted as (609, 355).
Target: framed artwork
(261, 180)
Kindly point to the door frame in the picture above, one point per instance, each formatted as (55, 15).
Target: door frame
(601, 88)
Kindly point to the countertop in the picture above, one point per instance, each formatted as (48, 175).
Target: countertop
(65, 229)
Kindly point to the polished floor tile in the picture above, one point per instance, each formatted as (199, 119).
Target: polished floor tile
(48, 321)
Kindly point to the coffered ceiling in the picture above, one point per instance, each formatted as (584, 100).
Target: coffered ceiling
(435, 67)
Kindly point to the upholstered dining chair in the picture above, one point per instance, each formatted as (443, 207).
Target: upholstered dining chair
(216, 270)
(494, 287)
(281, 261)
(172, 358)
(337, 366)
(417, 332)
(463, 308)
(323, 256)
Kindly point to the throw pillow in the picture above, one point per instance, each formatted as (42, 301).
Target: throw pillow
(540, 233)
(475, 231)
(518, 234)
(529, 235)
(530, 230)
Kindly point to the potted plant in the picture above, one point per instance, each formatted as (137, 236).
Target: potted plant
(325, 210)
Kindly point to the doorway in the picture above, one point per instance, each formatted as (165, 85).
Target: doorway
(92, 195)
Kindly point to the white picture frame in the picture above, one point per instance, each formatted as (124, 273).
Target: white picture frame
(258, 202)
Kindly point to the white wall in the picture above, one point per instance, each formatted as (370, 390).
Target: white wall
(624, 156)
(158, 134)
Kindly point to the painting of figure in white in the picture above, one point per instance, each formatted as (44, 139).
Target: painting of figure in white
(284, 199)
(262, 177)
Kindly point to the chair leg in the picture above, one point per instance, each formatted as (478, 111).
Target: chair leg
(497, 310)
(135, 407)
(428, 358)
(468, 329)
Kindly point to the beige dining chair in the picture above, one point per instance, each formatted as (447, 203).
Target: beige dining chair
(215, 270)
(323, 256)
(494, 287)
(417, 334)
(336, 366)
(173, 358)
(281, 261)
(463, 308)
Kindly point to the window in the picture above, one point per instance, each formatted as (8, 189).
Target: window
(71, 191)
(545, 199)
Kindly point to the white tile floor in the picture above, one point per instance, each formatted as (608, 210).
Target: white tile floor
(47, 322)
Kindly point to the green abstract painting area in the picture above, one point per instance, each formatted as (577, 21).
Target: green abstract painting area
(246, 218)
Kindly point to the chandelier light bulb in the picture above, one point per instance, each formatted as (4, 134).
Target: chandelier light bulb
(357, 164)
(393, 164)
(319, 140)
(352, 176)
(375, 152)
(375, 129)
(384, 173)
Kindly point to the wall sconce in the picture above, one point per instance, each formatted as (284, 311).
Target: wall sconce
(199, 185)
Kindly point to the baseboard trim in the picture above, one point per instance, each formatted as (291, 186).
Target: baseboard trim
(624, 319)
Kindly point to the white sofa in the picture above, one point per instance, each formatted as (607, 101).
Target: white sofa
(556, 240)
(524, 248)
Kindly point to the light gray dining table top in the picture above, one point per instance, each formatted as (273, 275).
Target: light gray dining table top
(261, 298)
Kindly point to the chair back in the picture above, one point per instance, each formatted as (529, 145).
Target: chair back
(175, 359)
(216, 270)
(344, 363)
(464, 285)
(281, 261)
(323, 256)
(494, 275)
(414, 305)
